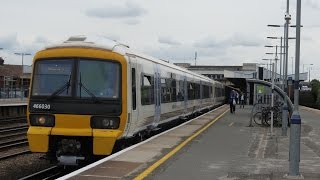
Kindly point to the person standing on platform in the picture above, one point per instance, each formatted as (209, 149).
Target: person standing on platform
(237, 97)
(232, 101)
(242, 100)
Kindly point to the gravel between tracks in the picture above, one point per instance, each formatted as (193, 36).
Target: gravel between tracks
(23, 165)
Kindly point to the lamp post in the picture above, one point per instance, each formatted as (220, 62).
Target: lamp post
(295, 130)
(21, 85)
(276, 57)
(269, 70)
(195, 58)
(1, 64)
(308, 69)
(285, 59)
(303, 66)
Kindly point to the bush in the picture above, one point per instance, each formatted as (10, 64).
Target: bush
(315, 87)
(318, 99)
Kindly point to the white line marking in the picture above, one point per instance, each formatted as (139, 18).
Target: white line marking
(113, 177)
(231, 124)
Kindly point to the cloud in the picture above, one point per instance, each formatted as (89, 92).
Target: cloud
(132, 21)
(8, 42)
(185, 53)
(41, 39)
(307, 38)
(314, 4)
(208, 42)
(243, 40)
(235, 40)
(128, 10)
(167, 40)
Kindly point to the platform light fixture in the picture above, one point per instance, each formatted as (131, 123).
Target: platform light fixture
(22, 54)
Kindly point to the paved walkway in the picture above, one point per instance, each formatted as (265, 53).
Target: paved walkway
(229, 150)
(13, 101)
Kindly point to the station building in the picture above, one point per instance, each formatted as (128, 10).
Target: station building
(235, 77)
(11, 79)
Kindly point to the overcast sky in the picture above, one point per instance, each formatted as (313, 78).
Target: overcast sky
(222, 32)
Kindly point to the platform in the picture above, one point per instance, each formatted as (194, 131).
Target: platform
(13, 102)
(227, 150)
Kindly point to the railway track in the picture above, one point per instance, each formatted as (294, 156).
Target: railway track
(10, 155)
(12, 132)
(7, 120)
(50, 173)
(13, 141)
(13, 128)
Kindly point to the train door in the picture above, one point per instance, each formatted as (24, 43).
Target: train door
(157, 95)
(201, 94)
(134, 113)
(185, 94)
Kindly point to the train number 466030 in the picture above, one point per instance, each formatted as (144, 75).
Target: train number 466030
(41, 106)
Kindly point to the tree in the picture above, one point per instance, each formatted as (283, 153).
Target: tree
(315, 87)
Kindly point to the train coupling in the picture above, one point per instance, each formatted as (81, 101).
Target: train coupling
(69, 160)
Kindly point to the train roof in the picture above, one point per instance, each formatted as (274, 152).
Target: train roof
(99, 42)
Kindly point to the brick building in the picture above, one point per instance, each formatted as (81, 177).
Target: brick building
(11, 77)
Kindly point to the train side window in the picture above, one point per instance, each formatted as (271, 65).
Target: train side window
(174, 90)
(191, 90)
(134, 89)
(180, 89)
(147, 90)
(206, 93)
(197, 91)
(165, 96)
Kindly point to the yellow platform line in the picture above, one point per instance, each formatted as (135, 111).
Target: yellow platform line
(146, 172)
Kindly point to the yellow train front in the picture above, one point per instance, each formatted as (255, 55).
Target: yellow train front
(77, 104)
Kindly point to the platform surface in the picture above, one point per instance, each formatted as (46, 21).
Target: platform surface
(13, 102)
(230, 150)
(227, 150)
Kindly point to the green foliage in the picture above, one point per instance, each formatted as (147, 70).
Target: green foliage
(315, 87)
(318, 98)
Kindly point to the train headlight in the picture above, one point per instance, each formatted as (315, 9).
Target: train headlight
(99, 122)
(42, 120)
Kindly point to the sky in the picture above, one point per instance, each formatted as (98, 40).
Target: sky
(222, 32)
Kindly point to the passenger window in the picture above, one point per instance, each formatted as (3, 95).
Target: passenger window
(147, 90)
(133, 81)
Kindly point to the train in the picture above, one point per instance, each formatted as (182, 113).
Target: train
(87, 94)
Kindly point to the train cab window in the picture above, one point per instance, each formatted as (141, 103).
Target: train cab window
(52, 75)
(147, 90)
(100, 79)
(134, 88)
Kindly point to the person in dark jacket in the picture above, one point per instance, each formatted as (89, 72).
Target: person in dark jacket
(232, 101)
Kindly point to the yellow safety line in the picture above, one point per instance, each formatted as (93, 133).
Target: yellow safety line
(146, 172)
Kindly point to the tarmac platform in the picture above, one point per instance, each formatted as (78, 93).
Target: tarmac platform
(227, 150)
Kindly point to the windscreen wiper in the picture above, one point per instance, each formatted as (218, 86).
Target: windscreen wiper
(93, 97)
(60, 90)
